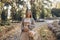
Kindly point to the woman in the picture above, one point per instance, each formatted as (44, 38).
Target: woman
(27, 26)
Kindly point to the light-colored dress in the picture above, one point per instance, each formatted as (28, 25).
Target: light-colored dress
(25, 23)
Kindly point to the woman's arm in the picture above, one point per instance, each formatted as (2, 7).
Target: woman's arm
(32, 24)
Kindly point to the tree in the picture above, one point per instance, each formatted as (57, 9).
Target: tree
(46, 4)
(41, 9)
(36, 9)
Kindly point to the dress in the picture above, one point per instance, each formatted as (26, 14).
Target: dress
(25, 35)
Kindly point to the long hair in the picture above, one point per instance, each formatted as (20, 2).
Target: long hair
(28, 12)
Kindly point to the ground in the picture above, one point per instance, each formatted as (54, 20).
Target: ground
(14, 34)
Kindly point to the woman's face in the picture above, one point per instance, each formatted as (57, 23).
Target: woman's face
(28, 15)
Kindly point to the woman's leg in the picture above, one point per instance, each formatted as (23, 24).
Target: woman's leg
(24, 36)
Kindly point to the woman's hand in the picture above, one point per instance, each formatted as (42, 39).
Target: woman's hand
(31, 33)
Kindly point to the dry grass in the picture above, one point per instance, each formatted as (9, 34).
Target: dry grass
(45, 33)
(42, 33)
(7, 30)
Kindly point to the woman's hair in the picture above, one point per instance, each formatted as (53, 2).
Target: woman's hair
(28, 12)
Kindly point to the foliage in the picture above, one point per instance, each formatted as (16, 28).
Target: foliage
(33, 11)
(39, 10)
(55, 12)
(4, 1)
(44, 33)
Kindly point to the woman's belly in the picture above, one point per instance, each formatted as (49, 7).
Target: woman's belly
(26, 23)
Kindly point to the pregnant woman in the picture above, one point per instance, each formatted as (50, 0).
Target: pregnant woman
(27, 25)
